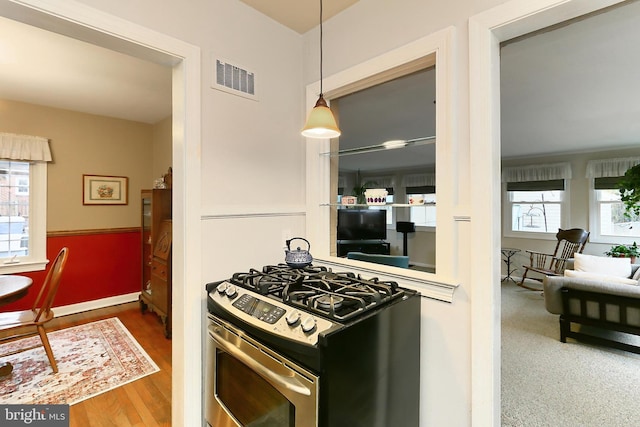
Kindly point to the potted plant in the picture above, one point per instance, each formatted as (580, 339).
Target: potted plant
(629, 187)
(624, 251)
(633, 252)
(360, 187)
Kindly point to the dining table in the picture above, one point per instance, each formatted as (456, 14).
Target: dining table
(12, 288)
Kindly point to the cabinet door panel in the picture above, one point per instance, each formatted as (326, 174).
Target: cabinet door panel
(159, 293)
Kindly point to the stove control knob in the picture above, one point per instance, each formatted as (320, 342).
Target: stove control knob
(221, 287)
(231, 291)
(308, 324)
(293, 317)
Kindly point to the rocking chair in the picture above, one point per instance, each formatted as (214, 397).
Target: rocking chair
(569, 242)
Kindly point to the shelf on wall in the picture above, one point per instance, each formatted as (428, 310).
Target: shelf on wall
(364, 205)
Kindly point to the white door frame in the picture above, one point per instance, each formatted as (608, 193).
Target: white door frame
(486, 31)
(80, 21)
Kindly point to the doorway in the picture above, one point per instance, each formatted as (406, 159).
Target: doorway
(90, 25)
(486, 31)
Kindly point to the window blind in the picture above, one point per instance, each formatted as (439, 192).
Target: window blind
(606, 183)
(422, 189)
(547, 185)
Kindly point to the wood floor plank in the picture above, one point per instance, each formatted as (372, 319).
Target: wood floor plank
(145, 414)
(144, 402)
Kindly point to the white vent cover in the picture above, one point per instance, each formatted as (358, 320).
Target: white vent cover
(234, 79)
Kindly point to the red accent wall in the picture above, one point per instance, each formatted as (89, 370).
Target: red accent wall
(99, 265)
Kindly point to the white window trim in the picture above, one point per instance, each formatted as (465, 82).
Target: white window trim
(441, 284)
(37, 258)
(551, 235)
(594, 223)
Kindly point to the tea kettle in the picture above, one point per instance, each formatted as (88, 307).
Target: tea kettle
(298, 258)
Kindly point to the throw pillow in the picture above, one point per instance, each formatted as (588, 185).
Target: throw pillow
(619, 267)
(600, 277)
(636, 275)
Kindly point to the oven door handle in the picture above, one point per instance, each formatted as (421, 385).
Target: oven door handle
(288, 382)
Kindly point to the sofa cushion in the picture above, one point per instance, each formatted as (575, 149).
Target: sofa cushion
(601, 277)
(619, 267)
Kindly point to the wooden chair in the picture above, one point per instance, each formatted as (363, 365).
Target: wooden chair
(569, 242)
(39, 314)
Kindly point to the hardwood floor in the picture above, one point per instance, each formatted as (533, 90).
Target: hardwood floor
(145, 402)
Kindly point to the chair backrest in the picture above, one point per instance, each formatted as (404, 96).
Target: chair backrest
(569, 243)
(44, 300)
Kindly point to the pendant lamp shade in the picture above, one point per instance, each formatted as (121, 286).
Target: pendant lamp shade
(321, 123)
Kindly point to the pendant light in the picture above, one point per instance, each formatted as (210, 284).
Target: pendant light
(321, 123)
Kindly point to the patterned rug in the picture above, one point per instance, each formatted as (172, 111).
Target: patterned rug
(92, 358)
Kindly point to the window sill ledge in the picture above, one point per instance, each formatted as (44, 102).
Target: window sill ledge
(23, 267)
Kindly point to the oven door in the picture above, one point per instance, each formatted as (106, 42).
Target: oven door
(249, 385)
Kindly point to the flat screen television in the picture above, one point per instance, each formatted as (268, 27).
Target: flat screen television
(369, 224)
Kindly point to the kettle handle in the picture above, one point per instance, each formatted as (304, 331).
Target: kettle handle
(298, 238)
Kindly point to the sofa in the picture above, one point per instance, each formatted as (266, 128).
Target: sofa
(603, 309)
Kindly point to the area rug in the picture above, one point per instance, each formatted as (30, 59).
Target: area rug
(92, 358)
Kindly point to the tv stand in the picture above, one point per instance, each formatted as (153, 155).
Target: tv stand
(367, 247)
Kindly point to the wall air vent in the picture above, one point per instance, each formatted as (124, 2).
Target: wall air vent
(234, 79)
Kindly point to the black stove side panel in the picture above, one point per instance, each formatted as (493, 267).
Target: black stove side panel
(371, 370)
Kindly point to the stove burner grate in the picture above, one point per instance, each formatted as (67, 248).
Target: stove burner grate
(338, 296)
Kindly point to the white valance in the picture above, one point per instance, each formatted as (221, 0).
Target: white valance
(419, 180)
(610, 167)
(543, 172)
(24, 147)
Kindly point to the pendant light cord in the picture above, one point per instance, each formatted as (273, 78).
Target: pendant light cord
(320, 48)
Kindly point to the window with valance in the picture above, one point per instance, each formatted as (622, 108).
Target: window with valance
(535, 197)
(23, 210)
(608, 220)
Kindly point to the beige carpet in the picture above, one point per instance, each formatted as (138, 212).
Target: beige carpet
(92, 358)
(548, 383)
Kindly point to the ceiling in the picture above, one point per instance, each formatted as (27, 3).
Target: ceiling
(403, 108)
(45, 68)
(299, 15)
(574, 88)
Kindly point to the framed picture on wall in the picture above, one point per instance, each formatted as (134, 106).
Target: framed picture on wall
(104, 190)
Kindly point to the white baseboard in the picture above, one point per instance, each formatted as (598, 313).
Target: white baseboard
(95, 304)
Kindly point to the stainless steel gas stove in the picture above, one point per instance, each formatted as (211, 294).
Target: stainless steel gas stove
(311, 347)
